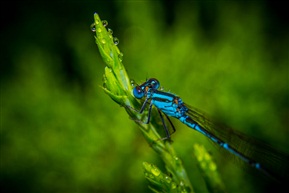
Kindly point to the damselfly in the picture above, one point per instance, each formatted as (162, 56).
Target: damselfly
(255, 153)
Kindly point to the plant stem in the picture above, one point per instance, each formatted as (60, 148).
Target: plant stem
(118, 86)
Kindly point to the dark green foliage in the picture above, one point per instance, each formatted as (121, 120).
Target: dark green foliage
(61, 133)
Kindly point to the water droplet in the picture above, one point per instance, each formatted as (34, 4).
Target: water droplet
(96, 22)
(120, 56)
(92, 27)
(132, 82)
(155, 171)
(104, 23)
(115, 41)
(98, 29)
(110, 31)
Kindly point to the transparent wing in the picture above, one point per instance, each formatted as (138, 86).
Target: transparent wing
(274, 161)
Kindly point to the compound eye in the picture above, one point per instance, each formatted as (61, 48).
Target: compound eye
(155, 84)
(138, 92)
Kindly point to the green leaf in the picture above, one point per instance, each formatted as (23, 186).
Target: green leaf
(117, 84)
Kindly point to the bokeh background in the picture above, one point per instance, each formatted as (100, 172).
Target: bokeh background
(61, 133)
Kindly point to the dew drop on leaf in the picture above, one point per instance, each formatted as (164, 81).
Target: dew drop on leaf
(104, 23)
(92, 27)
(115, 41)
(109, 30)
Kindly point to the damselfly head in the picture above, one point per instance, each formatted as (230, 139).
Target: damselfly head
(138, 92)
(153, 83)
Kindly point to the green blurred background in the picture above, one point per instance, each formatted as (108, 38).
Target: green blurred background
(61, 133)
